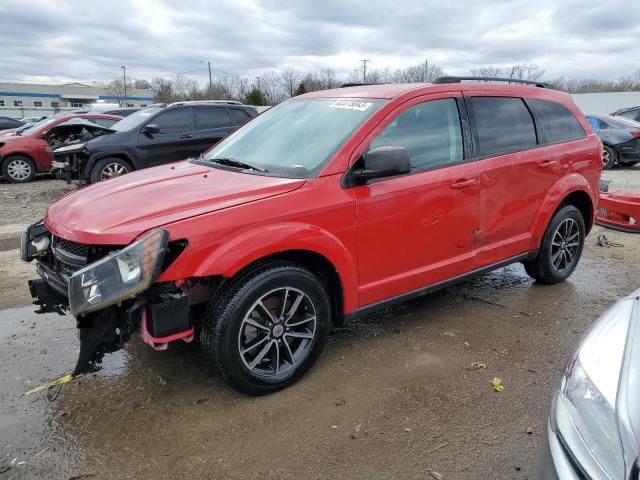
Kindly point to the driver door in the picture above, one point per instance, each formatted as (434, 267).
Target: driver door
(173, 142)
(418, 229)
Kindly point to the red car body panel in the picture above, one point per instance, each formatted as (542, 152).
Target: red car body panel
(619, 211)
(35, 147)
(384, 239)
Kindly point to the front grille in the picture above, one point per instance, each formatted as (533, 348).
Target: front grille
(78, 249)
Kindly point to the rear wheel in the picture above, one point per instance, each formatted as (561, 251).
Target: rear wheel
(268, 328)
(18, 169)
(609, 158)
(107, 168)
(561, 247)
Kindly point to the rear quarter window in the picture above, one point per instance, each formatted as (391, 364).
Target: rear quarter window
(503, 124)
(555, 122)
(214, 117)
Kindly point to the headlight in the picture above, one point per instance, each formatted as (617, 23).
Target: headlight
(585, 415)
(118, 276)
(71, 148)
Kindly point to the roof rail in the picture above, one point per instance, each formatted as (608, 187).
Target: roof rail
(491, 79)
(347, 85)
(205, 102)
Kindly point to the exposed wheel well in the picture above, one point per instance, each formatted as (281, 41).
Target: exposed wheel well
(582, 202)
(317, 264)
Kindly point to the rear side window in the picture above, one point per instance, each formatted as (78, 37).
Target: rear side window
(555, 122)
(430, 132)
(239, 116)
(503, 124)
(174, 120)
(207, 118)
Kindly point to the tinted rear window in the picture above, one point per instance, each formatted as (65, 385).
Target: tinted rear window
(555, 122)
(214, 117)
(504, 125)
(239, 116)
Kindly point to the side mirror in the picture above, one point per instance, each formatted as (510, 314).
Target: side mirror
(384, 161)
(150, 129)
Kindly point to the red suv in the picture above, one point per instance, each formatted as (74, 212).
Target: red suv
(25, 154)
(327, 206)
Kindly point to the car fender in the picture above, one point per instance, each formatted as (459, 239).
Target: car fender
(554, 197)
(113, 153)
(237, 252)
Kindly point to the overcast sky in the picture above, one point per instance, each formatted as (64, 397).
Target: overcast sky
(90, 40)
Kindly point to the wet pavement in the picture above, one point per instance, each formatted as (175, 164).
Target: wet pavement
(393, 396)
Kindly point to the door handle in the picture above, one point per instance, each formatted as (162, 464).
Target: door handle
(547, 164)
(186, 136)
(464, 183)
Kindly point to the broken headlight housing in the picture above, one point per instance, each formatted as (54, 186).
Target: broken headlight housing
(590, 412)
(119, 276)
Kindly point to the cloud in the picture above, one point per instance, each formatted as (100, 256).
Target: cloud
(83, 41)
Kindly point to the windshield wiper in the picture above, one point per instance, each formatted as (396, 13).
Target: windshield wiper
(231, 162)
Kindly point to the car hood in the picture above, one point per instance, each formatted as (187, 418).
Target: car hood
(116, 211)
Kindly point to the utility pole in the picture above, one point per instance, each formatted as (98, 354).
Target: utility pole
(124, 75)
(258, 81)
(426, 68)
(364, 69)
(210, 81)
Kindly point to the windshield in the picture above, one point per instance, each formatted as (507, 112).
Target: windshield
(134, 120)
(297, 137)
(36, 126)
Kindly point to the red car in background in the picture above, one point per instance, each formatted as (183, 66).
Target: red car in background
(25, 154)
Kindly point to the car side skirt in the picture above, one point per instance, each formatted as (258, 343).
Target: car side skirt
(436, 286)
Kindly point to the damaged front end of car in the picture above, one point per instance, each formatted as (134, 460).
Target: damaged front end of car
(111, 290)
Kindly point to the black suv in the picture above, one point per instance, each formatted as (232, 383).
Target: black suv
(153, 136)
(632, 113)
(7, 122)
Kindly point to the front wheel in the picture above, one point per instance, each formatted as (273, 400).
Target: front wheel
(18, 169)
(268, 328)
(561, 247)
(107, 168)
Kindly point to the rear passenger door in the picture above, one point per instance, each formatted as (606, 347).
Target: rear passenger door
(212, 124)
(174, 141)
(518, 164)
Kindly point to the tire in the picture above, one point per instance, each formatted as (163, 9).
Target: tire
(609, 158)
(18, 169)
(629, 163)
(109, 167)
(257, 361)
(552, 264)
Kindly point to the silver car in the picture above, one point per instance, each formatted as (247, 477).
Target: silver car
(594, 427)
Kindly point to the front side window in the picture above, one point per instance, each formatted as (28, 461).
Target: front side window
(298, 137)
(430, 132)
(630, 114)
(555, 122)
(174, 120)
(211, 117)
(504, 125)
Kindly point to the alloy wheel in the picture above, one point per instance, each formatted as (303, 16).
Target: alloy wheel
(277, 332)
(19, 170)
(606, 157)
(112, 170)
(565, 245)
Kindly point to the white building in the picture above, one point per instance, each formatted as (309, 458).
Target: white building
(19, 100)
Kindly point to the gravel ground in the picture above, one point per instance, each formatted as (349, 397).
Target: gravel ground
(393, 396)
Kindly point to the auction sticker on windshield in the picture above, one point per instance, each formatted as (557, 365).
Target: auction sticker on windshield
(351, 104)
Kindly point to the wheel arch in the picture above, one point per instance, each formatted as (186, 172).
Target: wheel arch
(307, 245)
(122, 155)
(573, 190)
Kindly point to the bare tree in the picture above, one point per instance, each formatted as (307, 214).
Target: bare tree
(289, 79)
(163, 90)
